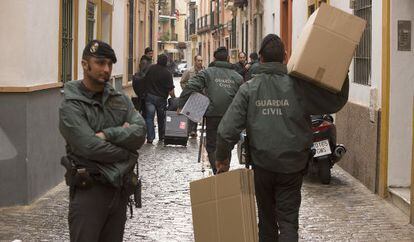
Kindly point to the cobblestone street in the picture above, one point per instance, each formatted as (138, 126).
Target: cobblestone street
(342, 211)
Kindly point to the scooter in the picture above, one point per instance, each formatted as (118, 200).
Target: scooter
(325, 150)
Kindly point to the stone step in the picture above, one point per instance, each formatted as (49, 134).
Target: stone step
(400, 197)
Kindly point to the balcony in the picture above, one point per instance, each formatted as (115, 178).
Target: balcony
(167, 37)
(240, 3)
(203, 24)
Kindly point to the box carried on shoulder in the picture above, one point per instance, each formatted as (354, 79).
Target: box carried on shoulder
(326, 47)
(176, 129)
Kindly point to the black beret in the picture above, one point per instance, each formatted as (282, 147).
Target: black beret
(99, 49)
(266, 40)
(221, 50)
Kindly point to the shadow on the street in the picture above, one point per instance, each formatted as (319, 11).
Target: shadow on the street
(335, 181)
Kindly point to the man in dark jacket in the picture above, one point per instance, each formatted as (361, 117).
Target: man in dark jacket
(220, 82)
(275, 110)
(240, 66)
(146, 60)
(103, 132)
(190, 73)
(252, 66)
(159, 84)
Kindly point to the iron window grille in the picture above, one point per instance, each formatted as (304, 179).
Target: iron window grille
(67, 40)
(362, 58)
(90, 18)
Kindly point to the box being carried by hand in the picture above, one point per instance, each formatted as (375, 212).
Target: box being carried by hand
(326, 46)
(195, 107)
(223, 207)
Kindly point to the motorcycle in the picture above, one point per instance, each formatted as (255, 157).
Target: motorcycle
(326, 152)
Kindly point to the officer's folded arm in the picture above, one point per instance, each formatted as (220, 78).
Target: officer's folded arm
(131, 135)
(80, 136)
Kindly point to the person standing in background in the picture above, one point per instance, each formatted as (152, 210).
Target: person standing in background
(190, 73)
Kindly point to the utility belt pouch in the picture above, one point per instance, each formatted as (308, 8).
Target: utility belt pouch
(130, 183)
(82, 178)
(137, 195)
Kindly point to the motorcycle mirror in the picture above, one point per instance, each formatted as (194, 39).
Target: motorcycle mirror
(328, 117)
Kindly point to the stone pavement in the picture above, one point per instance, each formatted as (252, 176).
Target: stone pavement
(342, 211)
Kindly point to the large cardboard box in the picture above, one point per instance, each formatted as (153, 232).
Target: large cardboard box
(326, 46)
(224, 208)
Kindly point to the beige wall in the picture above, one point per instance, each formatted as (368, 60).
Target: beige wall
(181, 6)
(30, 48)
(119, 35)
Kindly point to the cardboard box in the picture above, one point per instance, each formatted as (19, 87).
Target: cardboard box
(224, 208)
(195, 107)
(326, 46)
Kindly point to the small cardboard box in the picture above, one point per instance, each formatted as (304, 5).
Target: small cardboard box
(326, 46)
(223, 207)
(195, 107)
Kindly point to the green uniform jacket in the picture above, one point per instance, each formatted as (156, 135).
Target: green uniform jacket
(275, 110)
(252, 70)
(219, 82)
(81, 117)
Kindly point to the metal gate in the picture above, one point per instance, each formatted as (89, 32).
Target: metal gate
(67, 39)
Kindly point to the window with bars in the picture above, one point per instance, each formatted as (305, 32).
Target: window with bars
(314, 4)
(233, 33)
(67, 40)
(90, 21)
(362, 58)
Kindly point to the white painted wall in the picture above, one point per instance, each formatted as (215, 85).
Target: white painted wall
(271, 17)
(29, 42)
(181, 6)
(299, 18)
(401, 98)
(118, 36)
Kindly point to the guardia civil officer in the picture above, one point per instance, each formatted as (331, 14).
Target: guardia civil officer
(103, 132)
(252, 66)
(220, 82)
(275, 110)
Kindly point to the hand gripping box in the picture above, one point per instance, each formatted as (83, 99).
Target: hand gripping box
(223, 207)
(326, 46)
(195, 107)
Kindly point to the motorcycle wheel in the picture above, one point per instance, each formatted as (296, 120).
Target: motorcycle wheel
(324, 171)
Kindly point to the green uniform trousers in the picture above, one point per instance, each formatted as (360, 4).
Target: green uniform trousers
(278, 199)
(97, 213)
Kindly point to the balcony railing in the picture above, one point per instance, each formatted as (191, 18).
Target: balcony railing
(240, 3)
(203, 24)
(167, 36)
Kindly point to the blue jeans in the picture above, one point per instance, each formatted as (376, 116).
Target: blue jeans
(155, 104)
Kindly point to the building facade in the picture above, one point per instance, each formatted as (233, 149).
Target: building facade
(45, 52)
(167, 34)
(191, 33)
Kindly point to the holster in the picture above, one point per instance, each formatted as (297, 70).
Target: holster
(75, 177)
(133, 185)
